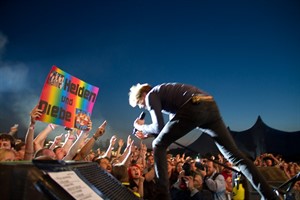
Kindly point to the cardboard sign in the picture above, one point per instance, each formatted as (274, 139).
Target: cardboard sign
(67, 100)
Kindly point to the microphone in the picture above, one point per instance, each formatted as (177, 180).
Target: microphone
(141, 116)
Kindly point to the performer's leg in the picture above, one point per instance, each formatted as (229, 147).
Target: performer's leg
(228, 148)
(172, 131)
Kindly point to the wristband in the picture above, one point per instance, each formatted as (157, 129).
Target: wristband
(31, 126)
(71, 138)
(51, 126)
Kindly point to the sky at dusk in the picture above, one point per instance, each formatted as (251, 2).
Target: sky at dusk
(244, 53)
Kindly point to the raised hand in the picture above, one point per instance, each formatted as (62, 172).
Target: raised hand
(35, 114)
(121, 142)
(113, 140)
(101, 130)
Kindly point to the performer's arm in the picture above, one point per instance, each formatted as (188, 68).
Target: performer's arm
(154, 107)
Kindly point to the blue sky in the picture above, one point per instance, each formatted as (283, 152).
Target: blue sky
(245, 53)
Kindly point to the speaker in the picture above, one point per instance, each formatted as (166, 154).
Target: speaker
(33, 180)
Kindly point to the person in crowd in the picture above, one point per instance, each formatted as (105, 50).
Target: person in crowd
(7, 155)
(126, 156)
(45, 153)
(149, 174)
(13, 130)
(39, 140)
(136, 179)
(171, 169)
(26, 152)
(104, 163)
(76, 145)
(120, 146)
(190, 187)
(239, 190)
(188, 108)
(269, 160)
(60, 152)
(227, 174)
(119, 171)
(85, 150)
(215, 182)
(20, 150)
(56, 142)
(7, 141)
(176, 172)
(70, 138)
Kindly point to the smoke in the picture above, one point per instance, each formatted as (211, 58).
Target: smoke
(13, 77)
(17, 97)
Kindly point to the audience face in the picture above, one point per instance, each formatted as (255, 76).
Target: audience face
(198, 181)
(105, 164)
(210, 168)
(7, 155)
(6, 141)
(20, 153)
(5, 144)
(49, 153)
(150, 161)
(135, 172)
(269, 162)
(228, 164)
(179, 167)
(60, 153)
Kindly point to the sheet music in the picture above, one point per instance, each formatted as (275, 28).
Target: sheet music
(76, 187)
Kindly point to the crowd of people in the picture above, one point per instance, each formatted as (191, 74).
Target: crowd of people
(132, 163)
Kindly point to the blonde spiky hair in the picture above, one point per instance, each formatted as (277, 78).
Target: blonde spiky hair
(136, 92)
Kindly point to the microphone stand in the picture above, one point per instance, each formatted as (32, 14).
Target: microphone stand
(290, 183)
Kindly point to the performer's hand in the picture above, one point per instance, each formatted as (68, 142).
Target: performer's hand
(140, 135)
(138, 123)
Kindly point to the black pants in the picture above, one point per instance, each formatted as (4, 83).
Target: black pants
(204, 115)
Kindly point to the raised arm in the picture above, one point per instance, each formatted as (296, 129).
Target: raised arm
(57, 141)
(76, 145)
(120, 145)
(128, 145)
(127, 155)
(29, 149)
(70, 137)
(84, 151)
(40, 139)
(13, 130)
(143, 152)
(113, 140)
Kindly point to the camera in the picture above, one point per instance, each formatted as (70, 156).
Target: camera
(187, 169)
(200, 166)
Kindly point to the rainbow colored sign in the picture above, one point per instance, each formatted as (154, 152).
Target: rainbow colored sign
(67, 100)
